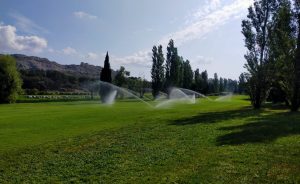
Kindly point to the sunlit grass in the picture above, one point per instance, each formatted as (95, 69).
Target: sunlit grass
(206, 142)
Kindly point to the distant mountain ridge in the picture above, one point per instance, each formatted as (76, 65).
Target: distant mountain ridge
(36, 63)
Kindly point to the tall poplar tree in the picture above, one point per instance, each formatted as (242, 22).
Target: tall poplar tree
(187, 75)
(204, 76)
(157, 71)
(256, 32)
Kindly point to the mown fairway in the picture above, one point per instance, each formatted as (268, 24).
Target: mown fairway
(207, 142)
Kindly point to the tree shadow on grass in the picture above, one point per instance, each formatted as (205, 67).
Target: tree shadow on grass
(263, 129)
(216, 117)
(261, 126)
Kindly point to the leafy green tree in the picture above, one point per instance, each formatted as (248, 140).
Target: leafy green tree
(138, 85)
(157, 71)
(296, 65)
(285, 54)
(256, 30)
(10, 81)
(187, 75)
(282, 53)
(120, 78)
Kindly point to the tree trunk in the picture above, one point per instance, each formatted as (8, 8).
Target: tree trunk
(257, 101)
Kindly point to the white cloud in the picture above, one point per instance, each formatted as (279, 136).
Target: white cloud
(209, 6)
(27, 25)
(207, 20)
(92, 56)
(202, 60)
(51, 50)
(140, 58)
(84, 15)
(69, 51)
(10, 41)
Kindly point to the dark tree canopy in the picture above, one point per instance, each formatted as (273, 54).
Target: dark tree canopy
(10, 81)
(242, 88)
(216, 87)
(105, 75)
(204, 76)
(187, 75)
(198, 81)
(296, 63)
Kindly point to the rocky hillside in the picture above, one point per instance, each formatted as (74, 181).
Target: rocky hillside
(36, 63)
(40, 74)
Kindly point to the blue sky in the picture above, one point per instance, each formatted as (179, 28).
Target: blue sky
(207, 32)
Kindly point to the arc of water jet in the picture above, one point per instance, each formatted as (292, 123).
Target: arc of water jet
(136, 93)
(124, 91)
(224, 98)
(133, 95)
(176, 95)
(195, 92)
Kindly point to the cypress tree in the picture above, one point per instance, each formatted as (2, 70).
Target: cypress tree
(105, 75)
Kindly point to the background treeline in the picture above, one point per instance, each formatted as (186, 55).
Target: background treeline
(39, 81)
(272, 38)
(174, 71)
(43, 77)
(46, 82)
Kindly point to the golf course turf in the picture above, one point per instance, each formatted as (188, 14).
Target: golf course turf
(129, 142)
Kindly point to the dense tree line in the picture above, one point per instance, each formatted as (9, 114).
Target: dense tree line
(136, 84)
(51, 80)
(272, 37)
(122, 79)
(177, 72)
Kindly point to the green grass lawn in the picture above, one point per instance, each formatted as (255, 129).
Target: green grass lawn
(206, 142)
